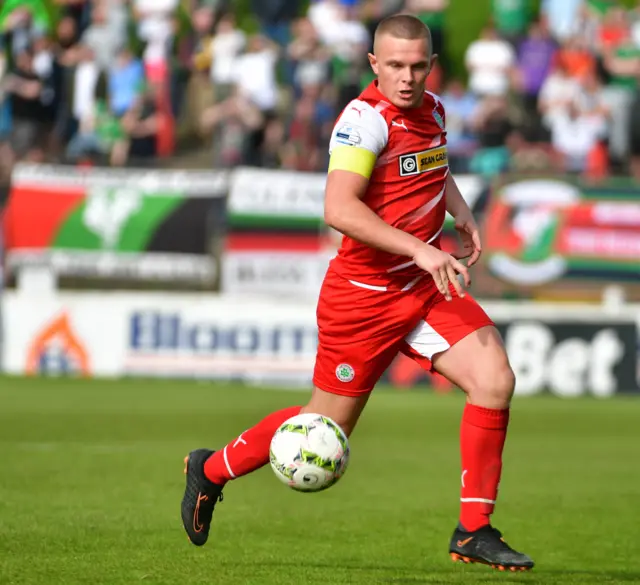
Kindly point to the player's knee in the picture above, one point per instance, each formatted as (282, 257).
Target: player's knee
(343, 410)
(496, 386)
(345, 420)
(346, 423)
(505, 382)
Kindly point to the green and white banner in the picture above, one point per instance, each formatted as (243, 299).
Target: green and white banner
(108, 223)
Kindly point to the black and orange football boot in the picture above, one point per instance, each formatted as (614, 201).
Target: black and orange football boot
(487, 546)
(200, 497)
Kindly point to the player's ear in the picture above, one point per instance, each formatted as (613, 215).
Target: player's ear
(433, 61)
(373, 62)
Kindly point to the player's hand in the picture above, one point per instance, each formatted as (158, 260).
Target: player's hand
(470, 236)
(444, 268)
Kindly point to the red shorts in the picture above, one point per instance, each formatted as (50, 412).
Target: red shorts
(361, 330)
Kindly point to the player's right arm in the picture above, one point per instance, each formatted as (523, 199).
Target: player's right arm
(345, 211)
(358, 138)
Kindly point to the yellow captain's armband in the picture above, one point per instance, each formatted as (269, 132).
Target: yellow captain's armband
(352, 158)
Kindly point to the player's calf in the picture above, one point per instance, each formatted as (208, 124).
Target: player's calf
(208, 471)
(478, 364)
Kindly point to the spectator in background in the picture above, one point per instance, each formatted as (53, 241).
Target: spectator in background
(511, 18)
(275, 18)
(251, 105)
(227, 46)
(140, 125)
(200, 87)
(90, 110)
(622, 63)
(574, 136)
(347, 39)
(20, 27)
(634, 19)
(301, 152)
(432, 13)
(255, 74)
(534, 62)
(558, 92)
(338, 28)
(85, 81)
(42, 57)
(373, 11)
(612, 28)
(461, 107)
(43, 67)
(107, 31)
(28, 101)
(563, 16)
(592, 103)
(633, 133)
(622, 60)
(78, 11)
(126, 77)
(577, 58)
(634, 136)
(5, 111)
(309, 58)
(156, 28)
(489, 61)
(257, 87)
(66, 54)
(493, 127)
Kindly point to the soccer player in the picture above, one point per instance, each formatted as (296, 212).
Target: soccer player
(392, 289)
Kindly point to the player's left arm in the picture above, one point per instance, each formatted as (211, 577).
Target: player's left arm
(465, 224)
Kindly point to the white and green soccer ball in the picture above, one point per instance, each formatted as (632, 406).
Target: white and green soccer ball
(309, 452)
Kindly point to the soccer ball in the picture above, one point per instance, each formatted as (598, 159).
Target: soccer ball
(309, 452)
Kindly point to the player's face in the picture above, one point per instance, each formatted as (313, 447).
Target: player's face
(402, 67)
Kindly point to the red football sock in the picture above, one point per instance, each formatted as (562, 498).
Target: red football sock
(482, 437)
(249, 451)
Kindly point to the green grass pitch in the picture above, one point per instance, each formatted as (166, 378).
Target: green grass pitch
(91, 481)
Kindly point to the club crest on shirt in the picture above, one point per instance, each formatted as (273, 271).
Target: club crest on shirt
(438, 118)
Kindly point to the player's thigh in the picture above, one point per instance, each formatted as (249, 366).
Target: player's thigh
(359, 335)
(478, 364)
(458, 340)
(344, 410)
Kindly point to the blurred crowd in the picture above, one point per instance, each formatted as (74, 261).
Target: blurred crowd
(123, 82)
(557, 89)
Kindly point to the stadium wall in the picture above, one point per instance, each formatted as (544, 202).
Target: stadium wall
(566, 350)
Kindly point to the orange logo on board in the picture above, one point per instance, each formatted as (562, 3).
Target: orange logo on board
(57, 350)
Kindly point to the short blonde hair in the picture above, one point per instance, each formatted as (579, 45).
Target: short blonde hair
(403, 26)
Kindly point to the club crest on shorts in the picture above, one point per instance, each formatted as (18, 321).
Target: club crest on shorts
(345, 373)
